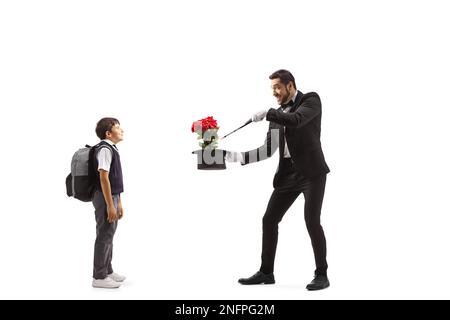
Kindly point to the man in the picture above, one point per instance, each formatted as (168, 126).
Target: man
(295, 128)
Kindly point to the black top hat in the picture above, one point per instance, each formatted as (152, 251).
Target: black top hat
(210, 159)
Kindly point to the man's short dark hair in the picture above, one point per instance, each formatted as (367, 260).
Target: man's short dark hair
(284, 76)
(105, 125)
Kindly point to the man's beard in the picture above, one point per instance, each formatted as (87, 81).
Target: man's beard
(284, 99)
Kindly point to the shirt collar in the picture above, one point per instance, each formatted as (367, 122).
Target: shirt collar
(288, 108)
(110, 143)
(295, 96)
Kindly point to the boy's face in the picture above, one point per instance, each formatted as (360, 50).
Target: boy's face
(116, 134)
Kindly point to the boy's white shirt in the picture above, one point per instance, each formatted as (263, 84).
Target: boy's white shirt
(104, 157)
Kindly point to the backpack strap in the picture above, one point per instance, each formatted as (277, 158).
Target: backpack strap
(102, 145)
(93, 154)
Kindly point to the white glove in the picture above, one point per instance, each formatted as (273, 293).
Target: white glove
(260, 115)
(232, 156)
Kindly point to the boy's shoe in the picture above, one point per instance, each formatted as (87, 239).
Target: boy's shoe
(108, 283)
(117, 277)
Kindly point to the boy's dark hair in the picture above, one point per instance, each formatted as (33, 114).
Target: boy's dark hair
(104, 125)
(284, 76)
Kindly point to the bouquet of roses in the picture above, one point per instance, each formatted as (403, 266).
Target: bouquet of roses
(209, 157)
(206, 130)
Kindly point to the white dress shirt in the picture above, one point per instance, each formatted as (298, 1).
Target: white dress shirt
(285, 110)
(104, 156)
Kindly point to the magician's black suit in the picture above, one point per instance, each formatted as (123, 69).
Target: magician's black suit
(303, 170)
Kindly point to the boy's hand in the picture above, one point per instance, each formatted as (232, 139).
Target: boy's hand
(120, 210)
(112, 214)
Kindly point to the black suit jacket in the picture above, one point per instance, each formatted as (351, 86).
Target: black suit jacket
(301, 129)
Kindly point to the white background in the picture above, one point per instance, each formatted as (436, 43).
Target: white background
(380, 67)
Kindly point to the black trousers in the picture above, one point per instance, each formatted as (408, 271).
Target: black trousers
(290, 184)
(103, 249)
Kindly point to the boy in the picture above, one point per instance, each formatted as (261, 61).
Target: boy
(106, 201)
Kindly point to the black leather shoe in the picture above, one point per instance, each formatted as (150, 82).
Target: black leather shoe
(318, 283)
(258, 278)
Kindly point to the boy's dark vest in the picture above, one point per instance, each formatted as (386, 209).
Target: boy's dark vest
(115, 170)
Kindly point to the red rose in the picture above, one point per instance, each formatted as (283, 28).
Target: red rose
(196, 126)
(204, 124)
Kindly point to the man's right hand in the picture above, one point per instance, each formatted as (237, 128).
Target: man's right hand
(260, 115)
(232, 156)
(112, 214)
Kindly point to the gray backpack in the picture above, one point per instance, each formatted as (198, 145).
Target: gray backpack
(80, 183)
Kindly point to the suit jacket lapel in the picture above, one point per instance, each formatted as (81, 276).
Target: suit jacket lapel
(297, 102)
(282, 131)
